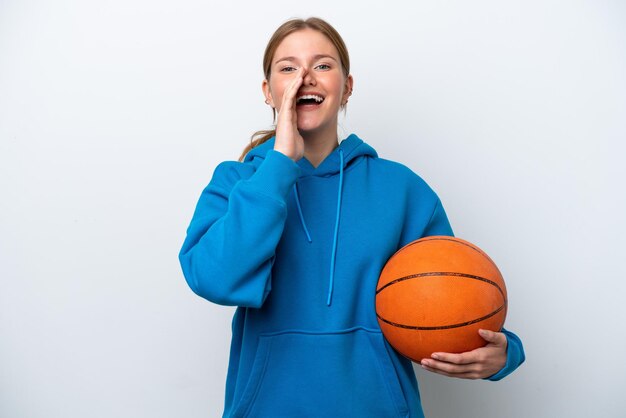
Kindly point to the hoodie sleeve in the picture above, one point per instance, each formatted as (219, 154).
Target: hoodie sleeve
(229, 250)
(424, 213)
(438, 224)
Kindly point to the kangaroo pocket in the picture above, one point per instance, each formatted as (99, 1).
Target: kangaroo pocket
(342, 374)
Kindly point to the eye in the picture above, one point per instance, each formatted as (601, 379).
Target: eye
(287, 69)
(324, 67)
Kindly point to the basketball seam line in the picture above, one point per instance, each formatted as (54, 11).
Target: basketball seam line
(441, 327)
(443, 273)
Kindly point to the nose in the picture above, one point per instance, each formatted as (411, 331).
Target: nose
(309, 78)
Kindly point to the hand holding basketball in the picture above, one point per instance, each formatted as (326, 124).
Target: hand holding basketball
(476, 364)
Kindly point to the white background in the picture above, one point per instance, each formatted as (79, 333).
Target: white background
(114, 114)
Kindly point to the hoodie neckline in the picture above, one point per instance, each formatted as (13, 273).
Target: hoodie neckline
(352, 147)
(333, 162)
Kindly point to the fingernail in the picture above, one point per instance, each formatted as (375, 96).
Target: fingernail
(425, 363)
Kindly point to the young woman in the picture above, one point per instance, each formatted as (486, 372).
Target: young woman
(295, 235)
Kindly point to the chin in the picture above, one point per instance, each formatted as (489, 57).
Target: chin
(312, 126)
(308, 127)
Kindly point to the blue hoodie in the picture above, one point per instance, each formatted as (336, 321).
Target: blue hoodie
(299, 249)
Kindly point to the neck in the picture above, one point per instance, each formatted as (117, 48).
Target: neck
(318, 145)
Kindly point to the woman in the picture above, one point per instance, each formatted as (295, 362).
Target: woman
(296, 234)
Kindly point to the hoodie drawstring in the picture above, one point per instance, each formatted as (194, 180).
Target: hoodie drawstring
(332, 260)
(334, 253)
(295, 191)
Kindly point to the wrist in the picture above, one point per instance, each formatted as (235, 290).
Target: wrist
(284, 152)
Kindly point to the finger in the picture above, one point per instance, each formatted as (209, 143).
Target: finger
(448, 367)
(460, 358)
(466, 375)
(497, 338)
(289, 98)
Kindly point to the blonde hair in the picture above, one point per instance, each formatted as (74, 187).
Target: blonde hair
(281, 33)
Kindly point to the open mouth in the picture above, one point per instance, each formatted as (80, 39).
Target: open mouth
(309, 100)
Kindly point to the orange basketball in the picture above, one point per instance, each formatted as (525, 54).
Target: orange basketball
(434, 294)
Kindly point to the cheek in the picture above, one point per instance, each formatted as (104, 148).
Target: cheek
(335, 85)
(277, 94)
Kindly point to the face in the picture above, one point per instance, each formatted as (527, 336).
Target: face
(323, 76)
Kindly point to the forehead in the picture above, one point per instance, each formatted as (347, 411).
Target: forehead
(304, 43)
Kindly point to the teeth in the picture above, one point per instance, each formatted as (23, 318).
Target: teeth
(318, 99)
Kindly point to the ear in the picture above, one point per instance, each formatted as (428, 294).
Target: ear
(347, 89)
(267, 93)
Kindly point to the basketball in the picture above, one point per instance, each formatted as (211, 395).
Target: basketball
(434, 294)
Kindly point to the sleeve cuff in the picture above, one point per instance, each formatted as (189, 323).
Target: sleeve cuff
(276, 174)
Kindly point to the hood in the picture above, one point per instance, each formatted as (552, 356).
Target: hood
(352, 147)
(349, 151)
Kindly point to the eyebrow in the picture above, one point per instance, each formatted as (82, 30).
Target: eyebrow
(316, 57)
